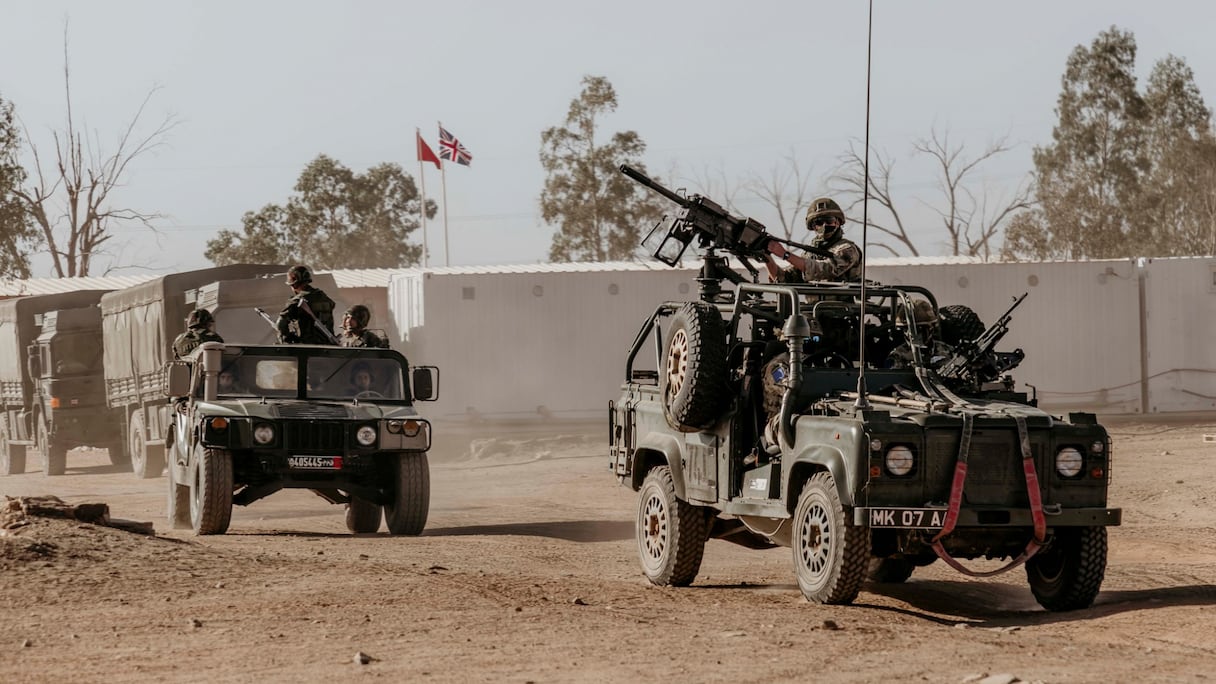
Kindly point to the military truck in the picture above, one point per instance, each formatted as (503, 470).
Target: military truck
(51, 381)
(833, 419)
(250, 420)
(139, 325)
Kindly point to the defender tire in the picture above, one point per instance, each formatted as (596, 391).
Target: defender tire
(830, 553)
(12, 456)
(411, 496)
(363, 516)
(670, 533)
(54, 456)
(211, 493)
(146, 462)
(693, 380)
(960, 324)
(1068, 574)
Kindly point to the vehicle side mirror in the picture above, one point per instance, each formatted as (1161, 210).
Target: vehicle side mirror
(424, 383)
(177, 379)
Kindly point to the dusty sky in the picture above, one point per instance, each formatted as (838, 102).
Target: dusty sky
(715, 88)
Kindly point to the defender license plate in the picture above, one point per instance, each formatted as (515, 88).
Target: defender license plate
(315, 462)
(907, 518)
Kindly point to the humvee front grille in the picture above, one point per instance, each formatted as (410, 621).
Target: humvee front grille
(305, 410)
(301, 436)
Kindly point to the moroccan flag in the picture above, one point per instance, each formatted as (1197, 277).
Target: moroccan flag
(451, 149)
(425, 153)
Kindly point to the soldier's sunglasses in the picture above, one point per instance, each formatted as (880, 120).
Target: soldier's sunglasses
(831, 220)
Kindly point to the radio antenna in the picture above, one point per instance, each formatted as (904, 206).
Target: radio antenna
(862, 401)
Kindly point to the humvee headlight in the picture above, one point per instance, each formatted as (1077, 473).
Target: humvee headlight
(394, 426)
(1069, 462)
(899, 460)
(263, 433)
(366, 435)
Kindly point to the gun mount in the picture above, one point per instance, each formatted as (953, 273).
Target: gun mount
(977, 361)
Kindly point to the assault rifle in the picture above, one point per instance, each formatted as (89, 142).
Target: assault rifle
(712, 226)
(976, 361)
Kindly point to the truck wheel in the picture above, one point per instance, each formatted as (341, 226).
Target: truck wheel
(211, 492)
(1068, 574)
(890, 570)
(412, 496)
(830, 554)
(12, 457)
(694, 377)
(960, 324)
(178, 510)
(118, 454)
(54, 456)
(363, 516)
(671, 533)
(146, 462)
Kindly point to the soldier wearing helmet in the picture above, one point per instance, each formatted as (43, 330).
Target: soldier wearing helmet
(200, 328)
(932, 350)
(826, 219)
(354, 329)
(308, 317)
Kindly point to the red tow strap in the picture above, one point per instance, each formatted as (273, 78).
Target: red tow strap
(956, 501)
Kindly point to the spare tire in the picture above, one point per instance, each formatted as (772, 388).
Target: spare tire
(960, 324)
(693, 381)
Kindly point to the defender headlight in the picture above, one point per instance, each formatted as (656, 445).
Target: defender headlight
(366, 435)
(1069, 462)
(899, 460)
(263, 433)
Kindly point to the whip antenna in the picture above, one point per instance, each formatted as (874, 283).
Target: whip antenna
(862, 401)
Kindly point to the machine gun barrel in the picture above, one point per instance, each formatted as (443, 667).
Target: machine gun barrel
(973, 355)
(654, 185)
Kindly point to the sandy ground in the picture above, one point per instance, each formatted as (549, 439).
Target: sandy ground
(527, 572)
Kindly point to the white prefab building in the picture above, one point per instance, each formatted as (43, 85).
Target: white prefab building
(548, 341)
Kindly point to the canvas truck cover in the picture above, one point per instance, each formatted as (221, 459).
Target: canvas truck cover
(18, 330)
(232, 303)
(139, 325)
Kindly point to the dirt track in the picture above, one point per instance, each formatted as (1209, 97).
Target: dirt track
(527, 572)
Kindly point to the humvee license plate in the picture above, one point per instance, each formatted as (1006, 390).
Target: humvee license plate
(315, 462)
(922, 518)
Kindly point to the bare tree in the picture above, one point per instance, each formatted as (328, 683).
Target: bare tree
(849, 180)
(970, 221)
(72, 202)
(786, 189)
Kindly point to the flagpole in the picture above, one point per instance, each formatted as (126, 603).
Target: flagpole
(443, 180)
(422, 192)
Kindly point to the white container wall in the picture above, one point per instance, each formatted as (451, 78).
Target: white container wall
(1180, 297)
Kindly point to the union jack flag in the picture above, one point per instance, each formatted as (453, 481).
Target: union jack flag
(451, 149)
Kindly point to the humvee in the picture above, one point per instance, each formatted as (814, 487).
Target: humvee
(876, 462)
(250, 420)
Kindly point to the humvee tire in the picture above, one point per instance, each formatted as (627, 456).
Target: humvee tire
(411, 495)
(211, 493)
(1068, 574)
(960, 324)
(830, 555)
(363, 516)
(670, 533)
(54, 456)
(178, 509)
(12, 457)
(693, 379)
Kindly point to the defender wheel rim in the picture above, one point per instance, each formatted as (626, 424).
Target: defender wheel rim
(654, 531)
(677, 361)
(815, 541)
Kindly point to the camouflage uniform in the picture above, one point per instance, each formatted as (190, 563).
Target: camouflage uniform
(933, 352)
(361, 338)
(847, 264)
(296, 325)
(198, 331)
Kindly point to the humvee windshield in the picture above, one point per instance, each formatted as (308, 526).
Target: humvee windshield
(326, 377)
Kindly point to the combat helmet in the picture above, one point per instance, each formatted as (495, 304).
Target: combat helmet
(299, 275)
(824, 207)
(360, 315)
(199, 318)
(922, 313)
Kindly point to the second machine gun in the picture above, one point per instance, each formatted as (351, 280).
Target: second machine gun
(713, 227)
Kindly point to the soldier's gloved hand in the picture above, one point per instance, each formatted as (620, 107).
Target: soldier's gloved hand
(790, 275)
(777, 249)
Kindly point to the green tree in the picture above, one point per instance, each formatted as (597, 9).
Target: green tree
(599, 212)
(1089, 175)
(337, 219)
(17, 233)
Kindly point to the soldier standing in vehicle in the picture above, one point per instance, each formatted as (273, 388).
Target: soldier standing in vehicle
(308, 317)
(826, 219)
(200, 328)
(354, 329)
(934, 352)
